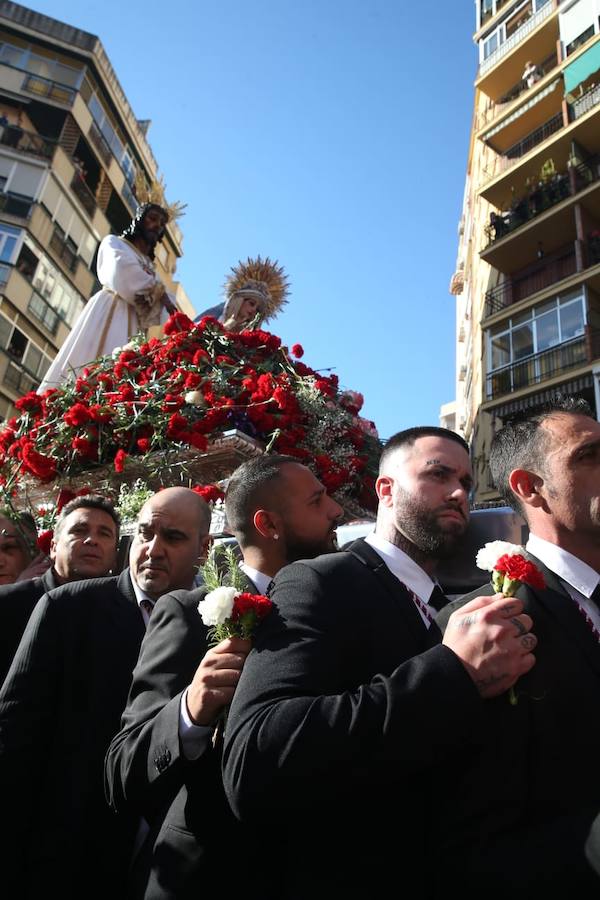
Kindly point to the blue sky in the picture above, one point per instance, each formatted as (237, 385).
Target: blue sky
(330, 135)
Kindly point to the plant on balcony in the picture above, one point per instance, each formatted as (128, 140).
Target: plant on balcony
(152, 400)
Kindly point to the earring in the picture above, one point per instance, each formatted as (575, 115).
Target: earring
(275, 536)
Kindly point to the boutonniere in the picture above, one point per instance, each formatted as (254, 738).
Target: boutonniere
(228, 612)
(227, 609)
(509, 569)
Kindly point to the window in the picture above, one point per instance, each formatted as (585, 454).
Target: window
(541, 328)
(9, 238)
(24, 354)
(53, 288)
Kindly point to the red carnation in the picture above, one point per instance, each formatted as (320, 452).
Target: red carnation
(517, 568)
(297, 351)
(120, 458)
(44, 541)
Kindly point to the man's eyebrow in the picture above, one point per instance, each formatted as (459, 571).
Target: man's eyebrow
(318, 493)
(592, 444)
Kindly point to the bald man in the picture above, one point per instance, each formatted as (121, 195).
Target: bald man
(62, 701)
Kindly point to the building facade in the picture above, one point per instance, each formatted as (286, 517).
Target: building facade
(527, 279)
(71, 154)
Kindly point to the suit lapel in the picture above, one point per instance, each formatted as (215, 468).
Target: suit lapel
(370, 558)
(559, 604)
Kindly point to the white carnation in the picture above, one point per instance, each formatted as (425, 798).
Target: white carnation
(217, 606)
(490, 553)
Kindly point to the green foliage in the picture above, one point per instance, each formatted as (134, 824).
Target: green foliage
(221, 569)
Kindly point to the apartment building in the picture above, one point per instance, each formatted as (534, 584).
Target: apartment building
(71, 154)
(527, 279)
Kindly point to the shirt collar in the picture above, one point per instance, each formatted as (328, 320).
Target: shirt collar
(402, 566)
(566, 566)
(259, 579)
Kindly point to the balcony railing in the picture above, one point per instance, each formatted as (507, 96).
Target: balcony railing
(541, 366)
(15, 205)
(553, 269)
(52, 90)
(546, 195)
(584, 103)
(516, 38)
(505, 161)
(27, 141)
(80, 188)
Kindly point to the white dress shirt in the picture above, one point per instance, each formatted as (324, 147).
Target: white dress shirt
(406, 570)
(577, 578)
(139, 596)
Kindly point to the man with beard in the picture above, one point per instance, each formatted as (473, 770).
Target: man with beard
(547, 466)
(349, 707)
(131, 299)
(163, 764)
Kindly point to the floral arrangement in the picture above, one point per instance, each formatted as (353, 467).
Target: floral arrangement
(228, 610)
(509, 569)
(153, 398)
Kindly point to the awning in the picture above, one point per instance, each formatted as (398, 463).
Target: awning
(532, 401)
(581, 68)
(522, 109)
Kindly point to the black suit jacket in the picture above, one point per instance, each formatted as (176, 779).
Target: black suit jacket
(16, 604)
(192, 830)
(59, 708)
(544, 751)
(346, 707)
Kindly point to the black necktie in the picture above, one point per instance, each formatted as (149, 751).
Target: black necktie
(269, 587)
(437, 599)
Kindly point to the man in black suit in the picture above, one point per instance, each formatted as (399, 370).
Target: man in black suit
(163, 764)
(61, 705)
(547, 466)
(83, 546)
(348, 705)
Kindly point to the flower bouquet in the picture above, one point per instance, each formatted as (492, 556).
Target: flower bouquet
(509, 569)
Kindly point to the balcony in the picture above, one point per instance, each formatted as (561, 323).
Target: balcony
(584, 103)
(516, 38)
(18, 379)
(545, 195)
(27, 141)
(542, 366)
(43, 312)
(5, 270)
(64, 249)
(83, 193)
(549, 272)
(50, 90)
(100, 143)
(15, 205)
(495, 109)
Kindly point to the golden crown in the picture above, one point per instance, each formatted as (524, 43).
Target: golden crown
(262, 277)
(155, 193)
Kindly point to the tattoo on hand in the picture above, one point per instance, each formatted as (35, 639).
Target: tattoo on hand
(528, 641)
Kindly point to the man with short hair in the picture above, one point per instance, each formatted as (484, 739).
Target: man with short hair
(546, 465)
(348, 705)
(84, 546)
(163, 764)
(61, 704)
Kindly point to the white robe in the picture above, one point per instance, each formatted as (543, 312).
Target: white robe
(109, 318)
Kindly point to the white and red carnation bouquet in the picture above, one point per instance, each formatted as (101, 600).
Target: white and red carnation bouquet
(229, 612)
(509, 569)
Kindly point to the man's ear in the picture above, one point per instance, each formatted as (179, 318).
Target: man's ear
(52, 553)
(384, 486)
(266, 523)
(526, 486)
